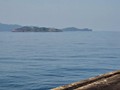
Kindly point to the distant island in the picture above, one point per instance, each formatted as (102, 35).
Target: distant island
(45, 29)
(36, 29)
(20, 28)
(76, 29)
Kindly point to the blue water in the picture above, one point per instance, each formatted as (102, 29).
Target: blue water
(41, 61)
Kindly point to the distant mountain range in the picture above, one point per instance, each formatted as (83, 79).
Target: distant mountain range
(8, 27)
(19, 28)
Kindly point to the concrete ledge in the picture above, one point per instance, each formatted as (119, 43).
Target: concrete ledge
(108, 81)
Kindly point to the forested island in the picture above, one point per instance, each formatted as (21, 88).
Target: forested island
(45, 29)
(36, 29)
(20, 28)
(76, 29)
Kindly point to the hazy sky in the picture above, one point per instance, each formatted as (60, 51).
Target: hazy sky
(94, 14)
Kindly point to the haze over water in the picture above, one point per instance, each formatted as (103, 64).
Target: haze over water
(99, 15)
(41, 61)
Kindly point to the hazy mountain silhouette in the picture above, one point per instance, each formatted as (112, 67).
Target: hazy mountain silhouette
(8, 27)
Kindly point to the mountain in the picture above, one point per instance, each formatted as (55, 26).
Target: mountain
(36, 29)
(76, 29)
(8, 27)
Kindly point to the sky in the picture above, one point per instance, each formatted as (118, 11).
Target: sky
(99, 15)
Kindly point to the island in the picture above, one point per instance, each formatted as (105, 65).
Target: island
(36, 29)
(45, 29)
(76, 29)
(20, 28)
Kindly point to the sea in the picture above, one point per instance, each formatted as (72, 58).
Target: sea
(45, 60)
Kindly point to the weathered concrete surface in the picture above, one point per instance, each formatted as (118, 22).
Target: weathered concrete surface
(108, 81)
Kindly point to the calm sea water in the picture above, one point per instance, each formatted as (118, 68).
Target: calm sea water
(41, 61)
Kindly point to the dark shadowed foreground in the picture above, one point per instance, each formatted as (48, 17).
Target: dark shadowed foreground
(108, 81)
